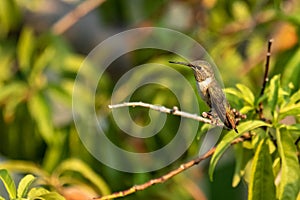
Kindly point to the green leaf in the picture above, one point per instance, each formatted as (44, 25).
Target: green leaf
(39, 65)
(292, 69)
(52, 196)
(23, 167)
(10, 90)
(274, 91)
(294, 127)
(76, 165)
(40, 111)
(18, 96)
(289, 185)
(228, 138)
(246, 109)
(243, 156)
(41, 193)
(9, 16)
(36, 192)
(233, 91)
(24, 185)
(6, 59)
(26, 46)
(294, 98)
(261, 184)
(8, 183)
(293, 110)
(247, 94)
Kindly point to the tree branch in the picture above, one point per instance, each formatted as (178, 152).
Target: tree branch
(265, 80)
(173, 111)
(169, 175)
(72, 17)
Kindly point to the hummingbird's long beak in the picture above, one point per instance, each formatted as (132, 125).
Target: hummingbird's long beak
(183, 63)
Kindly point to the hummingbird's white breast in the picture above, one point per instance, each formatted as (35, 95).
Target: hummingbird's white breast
(202, 87)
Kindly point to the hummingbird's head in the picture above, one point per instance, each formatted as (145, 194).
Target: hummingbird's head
(202, 69)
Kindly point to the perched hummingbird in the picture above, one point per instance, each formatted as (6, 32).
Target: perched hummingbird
(211, 92)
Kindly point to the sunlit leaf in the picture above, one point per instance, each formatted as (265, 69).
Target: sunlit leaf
(292, 69)
(26, 46)
(10, 90)
(19, 94)
(24, 185)
(76, 165)
(294, 127)
(247, 94)
(8, 183)
(243, 156)
(274, 91)
(37, 191)
(5, 63)
(261, 184)
(228, 138)
(9, 16)
(289, 185)
(23, 166)
(246, 109)
(39, 65)
(73, 62)
(293, 99)
(41, 193)
(40, 111)
(293, 110)
(233, 91)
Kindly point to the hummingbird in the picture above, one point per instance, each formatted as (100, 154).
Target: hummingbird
(211, 92)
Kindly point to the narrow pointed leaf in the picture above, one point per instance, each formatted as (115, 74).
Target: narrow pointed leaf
(41, 193)
(274, 91)
(233, 91)
(26, 48)
(8, 183)
(40, 111)
(10, 90)
(294, 98)
(290, 169)
(261, 184)
(243, 156)
(293, 109)
(24, 185)
(228, 138)
(247, 94)
(76, 165)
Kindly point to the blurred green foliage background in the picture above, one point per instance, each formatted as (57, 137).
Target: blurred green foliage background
(38, 67)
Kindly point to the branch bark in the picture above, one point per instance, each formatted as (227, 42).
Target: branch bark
(169, 175)
(265, 80)
(72, 17)
(173, 111)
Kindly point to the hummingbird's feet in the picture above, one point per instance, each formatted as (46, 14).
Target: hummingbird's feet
(238, 116)
(212, 116)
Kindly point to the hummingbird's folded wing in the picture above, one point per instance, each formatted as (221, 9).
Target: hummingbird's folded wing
(221, 106)
(218, 101)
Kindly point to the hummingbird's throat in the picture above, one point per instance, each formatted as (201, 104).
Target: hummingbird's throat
(203, 85)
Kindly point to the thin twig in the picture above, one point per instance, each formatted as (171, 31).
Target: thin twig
(72, 17)
(266, 79)
(173, 111)
(169, 175)
(161, 179)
